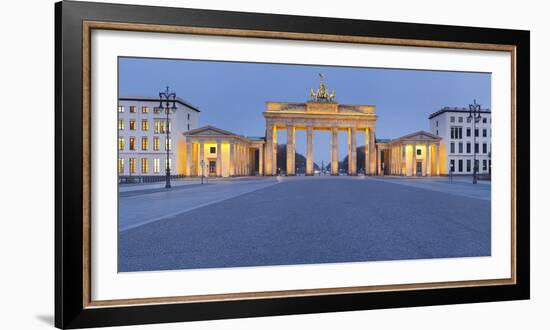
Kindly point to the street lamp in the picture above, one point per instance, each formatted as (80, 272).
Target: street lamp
(166, 98)
(475, 116)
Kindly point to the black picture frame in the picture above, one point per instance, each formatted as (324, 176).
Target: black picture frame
(70, 310)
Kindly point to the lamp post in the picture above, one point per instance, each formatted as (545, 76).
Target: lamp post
(475, 116)
(167, 98)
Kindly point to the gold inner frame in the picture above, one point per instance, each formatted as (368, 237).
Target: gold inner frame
(88, 26)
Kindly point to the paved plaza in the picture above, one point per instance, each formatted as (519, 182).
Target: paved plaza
(301, 220)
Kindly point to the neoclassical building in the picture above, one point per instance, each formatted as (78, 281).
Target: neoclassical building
(213, 151)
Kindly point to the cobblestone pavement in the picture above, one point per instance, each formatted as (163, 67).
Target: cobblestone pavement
(310, 220)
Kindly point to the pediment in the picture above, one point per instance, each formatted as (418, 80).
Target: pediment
(420, 136)
(209, 130)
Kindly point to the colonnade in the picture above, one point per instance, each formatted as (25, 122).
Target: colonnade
(400, 163)
(271, 149)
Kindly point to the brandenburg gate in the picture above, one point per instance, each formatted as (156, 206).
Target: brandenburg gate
(320, 113)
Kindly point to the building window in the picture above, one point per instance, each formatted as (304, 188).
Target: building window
(156, 110)
(477, 148)
(168, 144)
(167, 163)
(132, 108)
(132, 124)
(121, 124)
(120, 108)
(212, 150)
(468, 132)
(468, 148)
(437, 132)
(476, 165)
(485, 120)
(120, 165)
(484, 132)
(468, 119)
(144, 125)
(418, 152)
(452, 147)
(144, 109)
(156, 165)
(144, 143)
(188, 117)
(484, 148)
(452, 119)
(460, 165)
(460, 150)
(456, 132)
(187, 126)
(156, 143)
(436, 123)
(144, 165)
(120, 143)
(132, 165)
(132, 143)
(468, 165)
(452, 165)
(485, 164)
(160, 126)
(476, 132)
(460, 119)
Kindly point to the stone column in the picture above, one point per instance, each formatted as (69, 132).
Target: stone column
(428, 161)
(219, 159)
(201, 158)
(274, 152)
(269, 150)
(290, 153)
(437, 159)
(414, 160)
(232, 169)
(334, 151)
(367, 152)
(352, 155)
(400, 159)
(188, 157)
(261, 161)
(309, 151)
(372, 152)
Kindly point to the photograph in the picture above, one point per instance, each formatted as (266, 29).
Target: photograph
(249, 164)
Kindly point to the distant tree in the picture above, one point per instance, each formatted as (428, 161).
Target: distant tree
(360, 160)
(299, 160)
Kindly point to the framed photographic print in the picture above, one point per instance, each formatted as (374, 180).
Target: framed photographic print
(218, 164)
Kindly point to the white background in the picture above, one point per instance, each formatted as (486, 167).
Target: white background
(108, 284)
(27, 164)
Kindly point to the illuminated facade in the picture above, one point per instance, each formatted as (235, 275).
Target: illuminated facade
(459, 139)
(142, 143)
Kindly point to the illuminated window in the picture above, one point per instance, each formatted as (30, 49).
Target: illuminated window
(120, 143)
(156, 165)
(156, 143)
(120, 108)
(132, 143)
(144, 143)
(121, 124)
(132, 108)
(144, 165)
(160, 126)
(120, 165)
(132, 165)
(168, 145)
(144, 125)
(132, 124)
(144, 109)
(167, 163)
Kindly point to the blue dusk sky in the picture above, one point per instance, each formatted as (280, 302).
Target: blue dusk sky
(232, 95)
